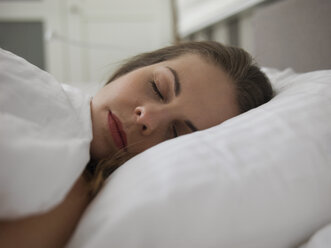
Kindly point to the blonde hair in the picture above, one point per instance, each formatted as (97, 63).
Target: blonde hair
(96, 172)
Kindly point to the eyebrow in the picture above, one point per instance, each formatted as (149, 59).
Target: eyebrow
(176, 82)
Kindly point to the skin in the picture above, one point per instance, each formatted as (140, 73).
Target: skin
(50, 229)
(206, 98)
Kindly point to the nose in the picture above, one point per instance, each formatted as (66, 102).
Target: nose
(150, 118)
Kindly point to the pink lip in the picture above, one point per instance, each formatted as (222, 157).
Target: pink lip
(116, 130)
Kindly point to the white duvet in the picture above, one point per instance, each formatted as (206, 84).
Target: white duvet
(45, 132)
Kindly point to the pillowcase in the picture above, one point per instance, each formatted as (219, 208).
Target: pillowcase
(321, 239)
(45, 131)
(261, 179)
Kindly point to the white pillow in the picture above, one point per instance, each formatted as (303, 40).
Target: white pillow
(321, 239)
(45, 133)
(261, 179)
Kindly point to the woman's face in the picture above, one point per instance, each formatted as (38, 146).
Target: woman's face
(159, 102)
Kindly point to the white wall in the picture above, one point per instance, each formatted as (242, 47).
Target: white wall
(46, 11)
(195, 15)
(86, 39)
(114, 30)
(220, 27)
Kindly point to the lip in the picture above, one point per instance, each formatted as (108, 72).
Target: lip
(116, 130)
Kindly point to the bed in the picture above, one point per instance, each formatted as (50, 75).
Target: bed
(261, 179)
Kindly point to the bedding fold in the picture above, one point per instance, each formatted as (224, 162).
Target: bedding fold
(45, 131)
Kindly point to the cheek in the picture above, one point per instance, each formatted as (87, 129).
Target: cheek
(125, 95)
(142, 143)
(115, 90)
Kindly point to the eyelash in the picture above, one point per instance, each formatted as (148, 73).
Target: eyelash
(175, 131)
(156, 90)
(158, 93)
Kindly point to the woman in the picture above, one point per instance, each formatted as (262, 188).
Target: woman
(153, 97)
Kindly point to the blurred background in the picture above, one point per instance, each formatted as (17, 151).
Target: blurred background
(81, 42)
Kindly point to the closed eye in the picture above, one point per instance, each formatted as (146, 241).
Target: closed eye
(156, 90)
(174, 131)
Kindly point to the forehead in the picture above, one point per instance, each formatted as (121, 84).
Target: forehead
(208, 94)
